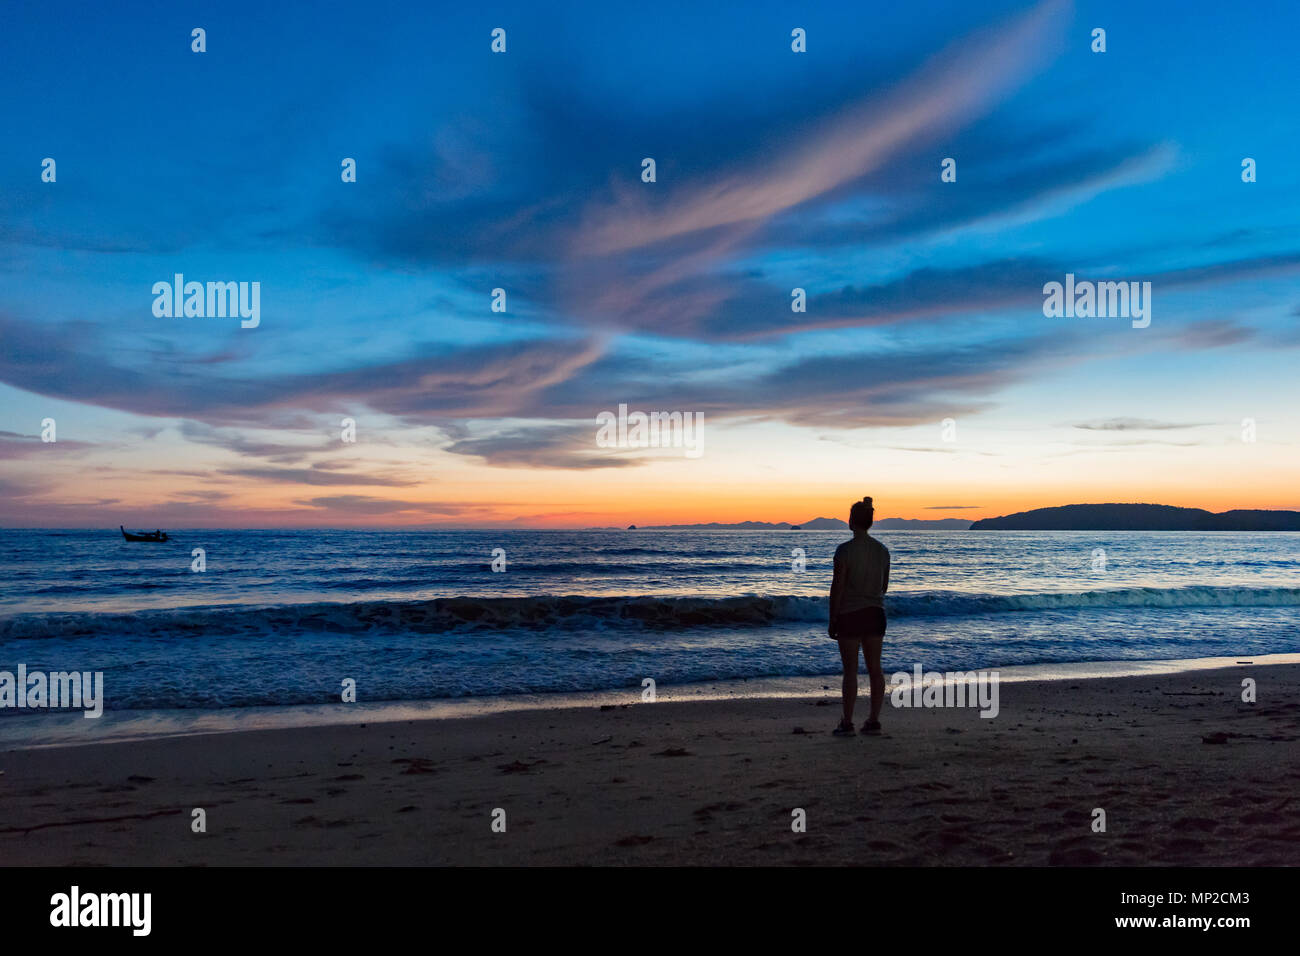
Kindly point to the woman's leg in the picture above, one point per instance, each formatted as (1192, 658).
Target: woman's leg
(871, 651)
(849, 685)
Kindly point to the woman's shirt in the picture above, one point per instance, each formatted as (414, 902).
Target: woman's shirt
(862, 567)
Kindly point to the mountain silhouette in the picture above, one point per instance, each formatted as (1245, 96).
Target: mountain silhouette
(1139, 517)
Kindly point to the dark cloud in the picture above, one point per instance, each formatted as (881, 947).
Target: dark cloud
(889, 388)
(16, 445)
(1000, 177)
(203, 495)
(366, 505)
(484, 381)
(550, 446)
(14, 488)
(318, 476)
(276, 452)
(739, 307)
(761, 310)
(899, 387)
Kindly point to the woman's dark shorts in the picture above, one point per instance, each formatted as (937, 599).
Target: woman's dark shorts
(859, 625)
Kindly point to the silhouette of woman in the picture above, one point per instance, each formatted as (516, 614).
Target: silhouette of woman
(857, 613)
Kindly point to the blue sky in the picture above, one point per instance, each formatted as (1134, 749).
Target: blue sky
(521, 171)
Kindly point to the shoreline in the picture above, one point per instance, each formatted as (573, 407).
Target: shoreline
(1186, 772)
(70, 729)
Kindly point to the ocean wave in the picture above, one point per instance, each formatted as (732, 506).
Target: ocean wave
(585, 612)
(945, 603)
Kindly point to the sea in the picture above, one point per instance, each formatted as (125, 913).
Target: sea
(283, 617)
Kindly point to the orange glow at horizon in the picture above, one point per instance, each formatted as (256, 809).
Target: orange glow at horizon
(735, 481)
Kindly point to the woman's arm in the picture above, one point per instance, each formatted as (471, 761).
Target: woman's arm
(885, 585)
(837, 588)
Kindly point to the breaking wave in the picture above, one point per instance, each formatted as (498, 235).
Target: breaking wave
(495, 614)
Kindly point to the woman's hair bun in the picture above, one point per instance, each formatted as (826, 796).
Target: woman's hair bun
(861, 514)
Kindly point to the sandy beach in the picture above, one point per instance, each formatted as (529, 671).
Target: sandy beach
(1186, 772)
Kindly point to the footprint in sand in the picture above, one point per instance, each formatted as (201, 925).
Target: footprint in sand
(517, 766)
(1263, 816)
(1203, 824)
(1184, 846)
(1074, 853)
(712, 808)
(634, 841)
(949, 838)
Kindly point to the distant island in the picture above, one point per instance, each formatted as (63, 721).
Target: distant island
(921, 524)
(1139, 517)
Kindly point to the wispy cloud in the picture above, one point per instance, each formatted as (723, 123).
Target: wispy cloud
(548, 446)
(17, 445)
(956, 85)
(319, 476)
(277, 452)
(367, 505)
(1135, 424)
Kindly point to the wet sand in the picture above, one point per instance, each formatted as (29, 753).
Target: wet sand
(1186, 772)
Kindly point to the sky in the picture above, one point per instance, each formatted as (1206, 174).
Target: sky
(923, 370)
